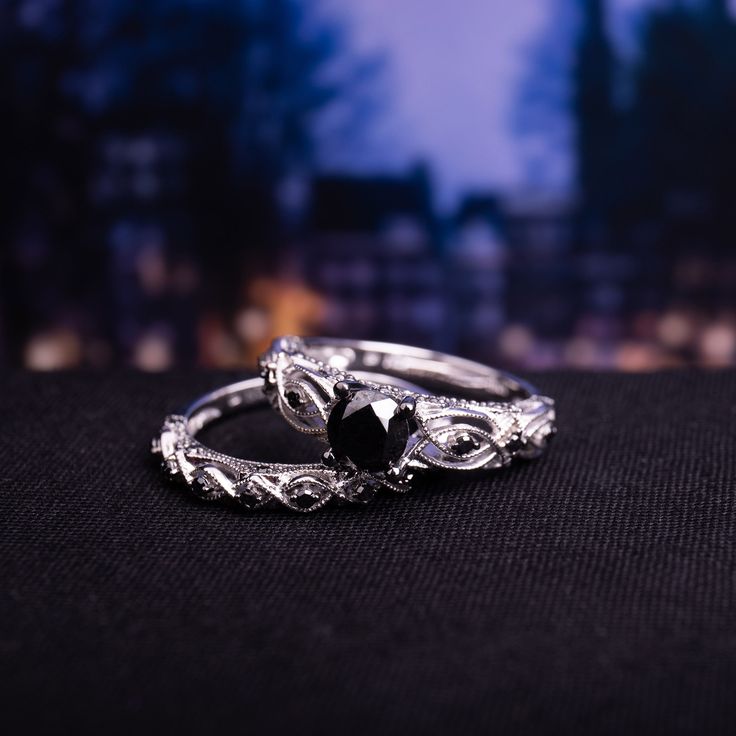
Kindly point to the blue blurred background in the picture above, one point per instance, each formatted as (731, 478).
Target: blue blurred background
(537, 184)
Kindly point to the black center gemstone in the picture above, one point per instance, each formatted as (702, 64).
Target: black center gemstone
(366, 428)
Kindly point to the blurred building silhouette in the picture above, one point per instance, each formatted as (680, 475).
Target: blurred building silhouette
(373, 249)
(162, 199)
(143, 158)
(477, 258)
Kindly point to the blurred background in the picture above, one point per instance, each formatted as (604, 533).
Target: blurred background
(537, 184)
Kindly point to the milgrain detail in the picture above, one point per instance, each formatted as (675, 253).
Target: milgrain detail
(212, 475)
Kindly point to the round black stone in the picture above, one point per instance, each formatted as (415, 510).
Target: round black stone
(202, 484)
(514, 443)
(363, 490)
(365, 428)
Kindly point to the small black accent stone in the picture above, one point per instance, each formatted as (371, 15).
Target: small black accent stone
(465, 444)
(202, 484)
(514, 444)
(293, 399)
(364, 490)
(365, 428)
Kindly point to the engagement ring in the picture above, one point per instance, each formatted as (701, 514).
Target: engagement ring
(479, 417)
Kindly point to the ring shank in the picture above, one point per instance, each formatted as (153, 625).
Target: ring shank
(223, 401)
(440, 370)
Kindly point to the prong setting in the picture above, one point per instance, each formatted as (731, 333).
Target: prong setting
(268, 373)
(407, 406)
(342, 390)
(345, 389)
(328, 459)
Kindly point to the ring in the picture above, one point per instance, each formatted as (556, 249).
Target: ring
(386, 433)
(213, 475)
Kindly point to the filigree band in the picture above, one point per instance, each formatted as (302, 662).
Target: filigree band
(213, 475)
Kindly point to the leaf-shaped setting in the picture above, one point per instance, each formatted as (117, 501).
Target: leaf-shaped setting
(306, 493)
(458, 440)
(303, 396)
(211, 481)
(300, 398)
(250, 494)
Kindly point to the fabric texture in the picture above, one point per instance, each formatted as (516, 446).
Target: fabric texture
(592, 591)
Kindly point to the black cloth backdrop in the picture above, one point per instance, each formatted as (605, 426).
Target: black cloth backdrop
(592, 591)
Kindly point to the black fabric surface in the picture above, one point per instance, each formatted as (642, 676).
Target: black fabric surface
(592, 591)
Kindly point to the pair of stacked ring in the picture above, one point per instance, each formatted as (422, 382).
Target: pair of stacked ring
(387, 413)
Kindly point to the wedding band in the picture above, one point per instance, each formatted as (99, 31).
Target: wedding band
(213, 475)
(387, 433)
